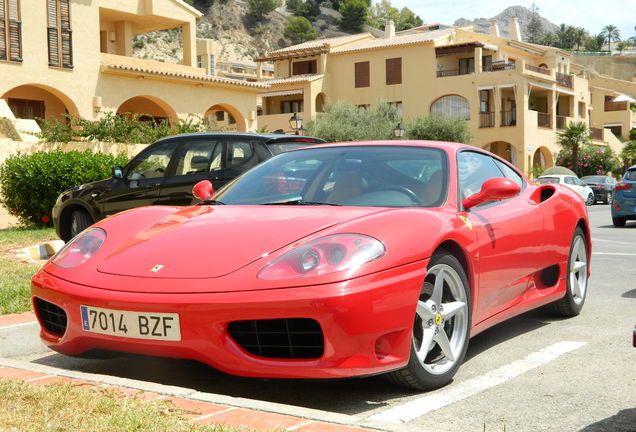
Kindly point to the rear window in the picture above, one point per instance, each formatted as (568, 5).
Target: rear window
(283, 146)
(630, 175)
(544, 180)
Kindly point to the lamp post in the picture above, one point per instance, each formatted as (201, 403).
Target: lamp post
(296, 123)
(398, 132)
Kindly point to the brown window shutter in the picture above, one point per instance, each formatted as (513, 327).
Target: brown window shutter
(59, 34)
(300, 68)
(3, 31)
(10, 31)
(313, 66)
(394, 71)
(362, 74)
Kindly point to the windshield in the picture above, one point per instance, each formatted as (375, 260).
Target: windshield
(544, 180)
(369, 176)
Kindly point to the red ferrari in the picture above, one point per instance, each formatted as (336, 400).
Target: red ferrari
(329, 261)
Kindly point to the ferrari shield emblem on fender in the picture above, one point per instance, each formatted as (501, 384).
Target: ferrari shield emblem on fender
(156, 268)
(466, 221)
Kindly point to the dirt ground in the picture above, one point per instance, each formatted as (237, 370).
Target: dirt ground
(6, 220)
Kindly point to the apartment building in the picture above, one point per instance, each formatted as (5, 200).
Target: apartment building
(516, 95)
(614, 103)
(75, 56)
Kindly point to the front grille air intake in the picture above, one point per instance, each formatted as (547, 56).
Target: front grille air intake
(53, 317)
(288, 338)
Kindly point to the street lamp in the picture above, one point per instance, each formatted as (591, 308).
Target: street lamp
(398, 132)
(296, 123)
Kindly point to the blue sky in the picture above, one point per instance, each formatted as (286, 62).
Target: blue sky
(592, 15)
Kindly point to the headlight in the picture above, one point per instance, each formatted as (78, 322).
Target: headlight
(341, 252)
(80, 249)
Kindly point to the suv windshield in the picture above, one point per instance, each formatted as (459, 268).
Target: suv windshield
(374, 176)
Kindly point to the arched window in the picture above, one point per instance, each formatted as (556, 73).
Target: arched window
(452, 106)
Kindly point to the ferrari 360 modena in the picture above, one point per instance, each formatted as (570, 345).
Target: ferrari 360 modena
(329, 261)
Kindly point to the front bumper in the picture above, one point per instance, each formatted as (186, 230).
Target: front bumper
(366, 323)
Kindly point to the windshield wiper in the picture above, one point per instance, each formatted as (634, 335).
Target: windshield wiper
(300, 202)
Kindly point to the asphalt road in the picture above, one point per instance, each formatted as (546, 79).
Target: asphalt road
(532, 373)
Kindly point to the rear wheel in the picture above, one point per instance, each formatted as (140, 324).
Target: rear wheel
(80, 220)
(572, 303)
(618, 222)
(441, 327)
(608, 198)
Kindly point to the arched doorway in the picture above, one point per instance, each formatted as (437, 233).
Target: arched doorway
(452, 106)
(542, 159)
(148, 108)
(36, 101)
(504, 150)
(320, 102)
(226, 118)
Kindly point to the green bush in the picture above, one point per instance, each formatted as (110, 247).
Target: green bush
(30, 183)
(439, 128)
(117, 128)
(591, 160)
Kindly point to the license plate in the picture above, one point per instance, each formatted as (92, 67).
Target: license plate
(129, 324)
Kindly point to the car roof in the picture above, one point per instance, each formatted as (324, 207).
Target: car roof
(268, 136)
(415, 143)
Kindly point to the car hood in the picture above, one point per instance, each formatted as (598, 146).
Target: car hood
(209, 241)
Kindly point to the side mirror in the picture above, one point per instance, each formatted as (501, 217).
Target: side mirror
(117, 172)
(497, 188)
(203, 190)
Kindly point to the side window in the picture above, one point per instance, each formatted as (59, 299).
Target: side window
(197, 156)
(569, 180)
(473, 169)
(509, 173)
(153, 163)
(578, 182)
(238, 152)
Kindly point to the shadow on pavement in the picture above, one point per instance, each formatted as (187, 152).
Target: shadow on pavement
(623, 421)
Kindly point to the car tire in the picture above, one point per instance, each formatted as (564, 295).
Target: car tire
(80, 220)
(576, 278)
(442, 323)
(608, 198)
(618, 222)
(590, 200)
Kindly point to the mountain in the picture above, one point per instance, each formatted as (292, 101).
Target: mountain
(523, 14)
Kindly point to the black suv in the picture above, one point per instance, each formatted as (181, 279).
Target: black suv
(165, 172)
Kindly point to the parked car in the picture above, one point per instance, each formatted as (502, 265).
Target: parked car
(327, 261)
(602, 185)
(164, 173)
(573, 182)
(624, 203)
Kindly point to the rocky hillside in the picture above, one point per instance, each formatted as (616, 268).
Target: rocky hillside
(503, 19)
(240, 39)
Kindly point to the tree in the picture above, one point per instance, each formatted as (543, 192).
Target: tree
(565, 36)
(438, 127)
(580, 36)
(548, 39)
(612, 34)
(628, 154)
(534, 28)
(571, 138)
(257, 9)
(382, 12)
(407, 20)
(299, 30)
(595, 43)
(354, 14)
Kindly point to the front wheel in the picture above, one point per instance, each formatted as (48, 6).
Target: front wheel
(441, 327)
(572, 303)
(80, 220)
(608, 198)
(590, 200)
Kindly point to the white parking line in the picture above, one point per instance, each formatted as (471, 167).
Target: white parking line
(614, 253)
(419, 407)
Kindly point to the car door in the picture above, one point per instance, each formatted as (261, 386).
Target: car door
(142, 179)
(579, 187)
(199, 158)
(509, 234)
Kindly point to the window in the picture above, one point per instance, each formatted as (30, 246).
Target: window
(199, 156)
(293, 106)
(486, 62)
(466, 65)
(27, 108)
(212, 72)
(304, 67)
(452, 106)
(394, 71)
(151, 164)
(199, 62)
(219, 115)
(509, 173)
(238, 153)
(59, 34)
(362, 74)
(484, 101)
(473, 169)
(582, 110)
(10, 31)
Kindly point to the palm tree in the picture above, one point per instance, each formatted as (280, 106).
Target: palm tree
(580, 34)
(612, 34)
(572, 137)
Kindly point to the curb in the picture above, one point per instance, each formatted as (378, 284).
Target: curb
(41, 251)
(19, 335)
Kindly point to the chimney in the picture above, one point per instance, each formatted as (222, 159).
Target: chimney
(389, 29)
(514, 30)
(494, 28)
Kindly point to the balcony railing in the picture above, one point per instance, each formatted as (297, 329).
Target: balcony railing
(495, 67)
(450, 72)
(508, 118)
(487, 120)
(596, 134)
(561, 122)
(615, 106)
(564, 80)
(538, 69)
(543, 120)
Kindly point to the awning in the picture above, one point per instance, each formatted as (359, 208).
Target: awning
(280, 93)
(623, 98)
